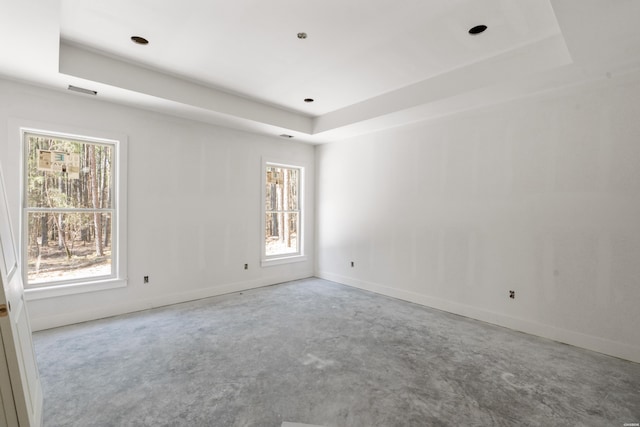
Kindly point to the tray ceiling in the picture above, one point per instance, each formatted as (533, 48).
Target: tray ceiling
(367, 65)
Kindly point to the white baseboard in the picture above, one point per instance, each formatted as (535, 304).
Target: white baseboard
(64, 319)
(589, 342)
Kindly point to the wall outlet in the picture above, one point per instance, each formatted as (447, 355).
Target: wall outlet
(246, 266)
(512, 294)
(146, 279)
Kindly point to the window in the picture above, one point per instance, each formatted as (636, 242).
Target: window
(71, 216)
(282, 212)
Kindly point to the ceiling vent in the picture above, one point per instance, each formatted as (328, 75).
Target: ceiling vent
(139, 40)
(82, 90)
(477, 29)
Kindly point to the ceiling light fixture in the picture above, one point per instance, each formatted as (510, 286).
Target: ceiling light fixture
(308, 100)
(302, 36)
(477, 29)
(82, 90)
(139, 40)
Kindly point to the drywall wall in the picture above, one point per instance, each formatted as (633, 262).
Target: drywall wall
(540, 196)
(194, 202)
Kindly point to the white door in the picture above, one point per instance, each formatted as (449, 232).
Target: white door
(21, 395)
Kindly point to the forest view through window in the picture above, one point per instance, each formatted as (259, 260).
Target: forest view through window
(282, 211)
(69, 209)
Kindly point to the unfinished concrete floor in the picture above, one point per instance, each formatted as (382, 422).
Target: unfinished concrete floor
(316, 352)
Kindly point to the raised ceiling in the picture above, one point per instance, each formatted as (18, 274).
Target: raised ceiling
(355, 50)
(367, 64)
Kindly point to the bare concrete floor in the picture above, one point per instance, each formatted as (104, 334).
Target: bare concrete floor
(316, 352)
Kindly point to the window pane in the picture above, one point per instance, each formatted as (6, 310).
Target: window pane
(68, 246)
(271, 194)
(63, 173)
(291, 189)
(281, 189)
(281, 233)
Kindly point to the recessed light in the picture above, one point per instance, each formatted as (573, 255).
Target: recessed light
(477, 29)
(82, 90)
(302, 36)
(308, 100)
(139, 40)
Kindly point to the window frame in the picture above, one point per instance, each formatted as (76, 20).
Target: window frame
(299, 255)
(118, 276)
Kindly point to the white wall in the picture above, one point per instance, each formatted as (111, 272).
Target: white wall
(540, 196)
(193, 202)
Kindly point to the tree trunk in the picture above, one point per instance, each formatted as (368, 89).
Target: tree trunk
(285, 203)
(97, 217)
(84, 190)
(62, 241)
(279, 207)
(44, 229)
(105, 192)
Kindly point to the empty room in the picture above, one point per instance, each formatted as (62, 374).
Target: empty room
(320, 213)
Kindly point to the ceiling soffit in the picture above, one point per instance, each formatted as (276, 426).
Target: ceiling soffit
(409, 73)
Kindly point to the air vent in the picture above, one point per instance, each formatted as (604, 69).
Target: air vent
(477, 29)
(82, 90)
(139, 40)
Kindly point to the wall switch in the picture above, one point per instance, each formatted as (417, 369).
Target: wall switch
(352, 264)
(246, 266)
(146, 279)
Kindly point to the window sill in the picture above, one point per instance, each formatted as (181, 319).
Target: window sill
(283, 260)
(72, 288)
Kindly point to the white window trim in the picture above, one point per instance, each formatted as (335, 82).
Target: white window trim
(119, 277)
(62, 289)
(267, 261)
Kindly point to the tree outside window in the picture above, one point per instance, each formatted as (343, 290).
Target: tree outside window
(69, 204)
(282, 211)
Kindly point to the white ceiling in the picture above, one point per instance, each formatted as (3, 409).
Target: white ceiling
(369, 64)
(355, 49)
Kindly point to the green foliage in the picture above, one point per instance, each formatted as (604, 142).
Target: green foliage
(66, 212)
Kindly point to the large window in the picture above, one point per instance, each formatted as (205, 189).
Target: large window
(282, 211)
(70, 210)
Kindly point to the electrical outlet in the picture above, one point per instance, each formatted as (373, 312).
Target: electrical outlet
(146, 279)
(512, 294)
(246, 266)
